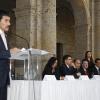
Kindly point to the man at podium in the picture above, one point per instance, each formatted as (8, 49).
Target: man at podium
(4, 54)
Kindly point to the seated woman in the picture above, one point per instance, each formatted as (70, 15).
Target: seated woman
(51, 68)
(88, 56)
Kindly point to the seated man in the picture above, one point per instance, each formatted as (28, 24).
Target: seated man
(85, 68)
(77, 65)
(66, 68)
(96, 67)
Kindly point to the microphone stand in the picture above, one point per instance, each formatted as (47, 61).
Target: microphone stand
(16, 35)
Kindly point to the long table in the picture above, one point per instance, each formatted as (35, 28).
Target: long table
(54, 90)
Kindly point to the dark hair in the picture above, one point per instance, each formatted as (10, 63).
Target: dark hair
(3, 13)
(91, 59)
(48, 66)
(51, 61)
(97, 60)
(65, 57)
(85, 60)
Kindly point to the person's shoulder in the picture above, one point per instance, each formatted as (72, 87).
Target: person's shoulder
(62, 67)
(81, 68)
(94, 67)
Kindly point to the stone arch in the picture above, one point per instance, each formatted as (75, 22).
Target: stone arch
(82, 26)
(82, 36)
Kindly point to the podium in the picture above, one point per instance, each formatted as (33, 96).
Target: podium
(30, 56)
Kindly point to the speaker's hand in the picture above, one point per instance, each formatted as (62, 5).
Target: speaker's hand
(14, 50)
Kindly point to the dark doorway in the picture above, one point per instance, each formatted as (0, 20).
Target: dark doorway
(59, 53)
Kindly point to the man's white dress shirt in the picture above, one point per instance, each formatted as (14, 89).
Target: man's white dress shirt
(4, 39)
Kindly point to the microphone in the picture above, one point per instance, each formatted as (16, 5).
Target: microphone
(21, 38)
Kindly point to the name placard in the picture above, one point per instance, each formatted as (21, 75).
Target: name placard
(96, 77)
(49, 78)
(69, 77)
(84, 77)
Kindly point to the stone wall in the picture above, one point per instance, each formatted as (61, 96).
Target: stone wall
(97, 29)
(81, 27)
(49, 26)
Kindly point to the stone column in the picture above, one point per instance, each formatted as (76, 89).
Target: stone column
(97, 28)
(28, 22)
(23, 19)
(92, 25)
(49, 26)
(36, 24)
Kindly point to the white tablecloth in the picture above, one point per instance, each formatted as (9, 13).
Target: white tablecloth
(54, 90)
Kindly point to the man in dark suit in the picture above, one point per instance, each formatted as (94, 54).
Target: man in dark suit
(4, 54)
(77, 65)
(66, 68)
(84, 67)
(96, 67)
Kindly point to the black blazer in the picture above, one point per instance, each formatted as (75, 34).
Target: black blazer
(95, 71)
(88, 72)
(64, 70)
(4, 65)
